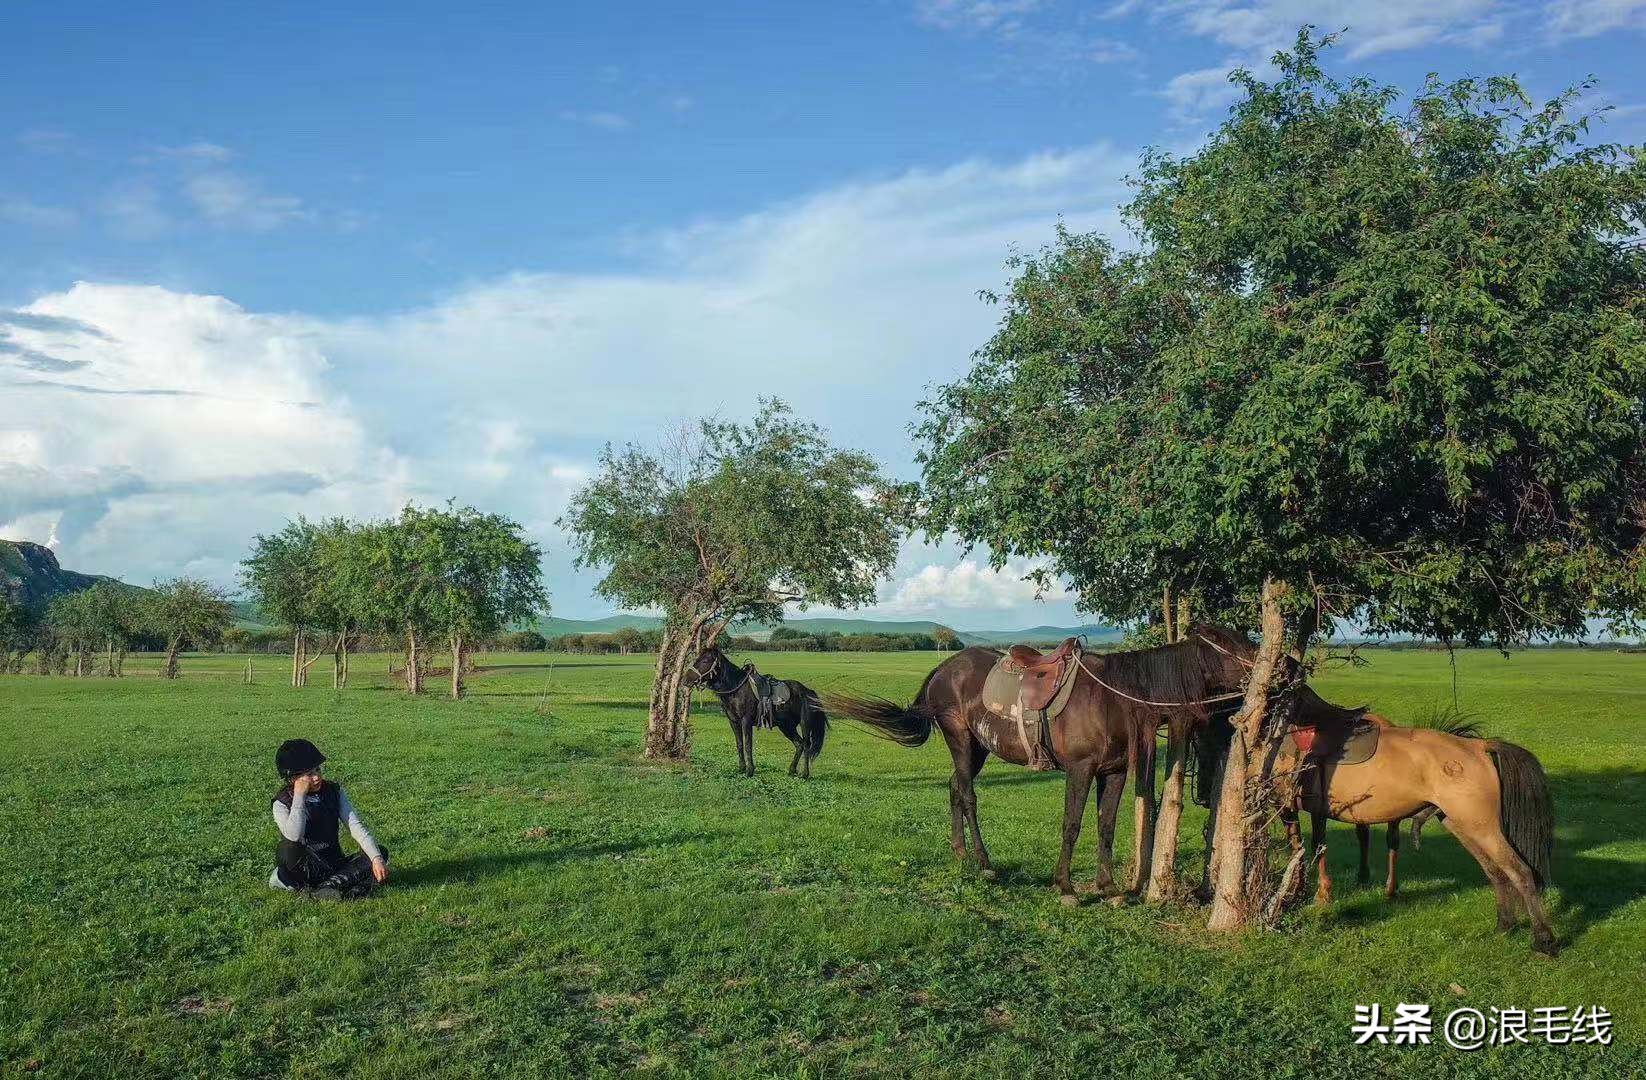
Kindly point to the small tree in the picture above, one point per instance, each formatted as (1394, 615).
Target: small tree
(74, 623)
(731, 522)
(187, 610)
(945, 639)
(113, 614)
(283, 576)
(1408, 390)
(337, 603)
(474, 574)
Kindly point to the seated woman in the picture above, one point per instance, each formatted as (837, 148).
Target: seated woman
(308, 811)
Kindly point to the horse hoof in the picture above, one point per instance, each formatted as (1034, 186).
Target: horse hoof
(1069, 900)
(988, 874)
(1545, 944)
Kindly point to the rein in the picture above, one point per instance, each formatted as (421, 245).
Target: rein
(747, 675)
(1158, 704)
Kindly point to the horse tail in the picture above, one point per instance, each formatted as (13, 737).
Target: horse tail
(817, 725)
(905, 726)
(1526, 811)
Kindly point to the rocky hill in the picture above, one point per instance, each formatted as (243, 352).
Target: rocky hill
(31, 576)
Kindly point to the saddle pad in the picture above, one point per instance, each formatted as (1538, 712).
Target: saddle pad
(1002, 692)
(1333, 744)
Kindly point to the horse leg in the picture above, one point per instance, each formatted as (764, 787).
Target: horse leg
(794, 762)
(737, 737)
(1110, 789)
(1077, 785)
(960, 752)
(748, 742)
(1392, 882)
(968, 793)
(1143, 820)
(1317, 841)
(1513, 879)
(1363, 834)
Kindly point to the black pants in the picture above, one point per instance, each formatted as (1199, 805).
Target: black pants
(304, 867)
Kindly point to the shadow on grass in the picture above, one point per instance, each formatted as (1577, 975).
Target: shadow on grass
(477, 867)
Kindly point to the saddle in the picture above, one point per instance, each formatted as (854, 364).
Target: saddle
(1030, 688)
(771, 694)
(1324, 734)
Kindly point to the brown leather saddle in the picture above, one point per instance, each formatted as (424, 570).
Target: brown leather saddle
(1043, 673)
(1030, 688)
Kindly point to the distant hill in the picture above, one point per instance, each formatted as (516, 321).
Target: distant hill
(554, 627)
(1092, 632)
(30, 575)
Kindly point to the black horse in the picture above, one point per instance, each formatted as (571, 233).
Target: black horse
(748, 696)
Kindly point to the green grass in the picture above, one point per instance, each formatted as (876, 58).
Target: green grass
(560, 906)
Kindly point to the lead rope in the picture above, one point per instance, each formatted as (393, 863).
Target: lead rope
(1157, 704)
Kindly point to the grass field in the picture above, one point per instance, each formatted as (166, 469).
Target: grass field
(560, 906)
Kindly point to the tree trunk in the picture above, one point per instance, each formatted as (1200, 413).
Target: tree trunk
(457, 666)
(1183, 614)
(414, 674)
(296, 656)
(171, 658)
(668, 720)
(120, 662)
(1245, 804)
(1163, 874)
(1168, 610)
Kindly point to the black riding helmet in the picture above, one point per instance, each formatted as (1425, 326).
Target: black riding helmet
(296, 757)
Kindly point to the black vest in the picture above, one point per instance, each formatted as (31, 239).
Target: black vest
(324, 817)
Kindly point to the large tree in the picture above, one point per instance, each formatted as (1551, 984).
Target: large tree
(476, 575)
(1408, 391)
(284, 577)
(187, 610)
(731, 522)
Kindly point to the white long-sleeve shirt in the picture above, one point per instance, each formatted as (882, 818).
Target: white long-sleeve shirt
(290, 820)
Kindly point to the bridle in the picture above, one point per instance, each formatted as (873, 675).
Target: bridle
(707, 679)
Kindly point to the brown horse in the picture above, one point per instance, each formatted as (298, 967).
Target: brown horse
(1118, 702)
(1491, 795)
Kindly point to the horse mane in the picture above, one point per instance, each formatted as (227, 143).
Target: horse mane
(1176, 674)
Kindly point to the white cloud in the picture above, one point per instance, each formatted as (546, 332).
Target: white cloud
(26, 212)
(194, 151)
(967, 585)
(1588, 18)
(606, 121)
(185, 425)
(1255, 29)
(46, 141)
(232, 201)
(1000, 15)
(195, 423)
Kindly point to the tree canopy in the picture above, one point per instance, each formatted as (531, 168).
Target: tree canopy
(731, 522)
(1392, 356)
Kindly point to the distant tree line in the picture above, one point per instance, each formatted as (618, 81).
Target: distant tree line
(452, 575)
(90, 632)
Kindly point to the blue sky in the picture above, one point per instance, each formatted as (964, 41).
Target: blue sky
(257, 262)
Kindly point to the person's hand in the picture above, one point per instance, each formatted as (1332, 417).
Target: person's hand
(380, 870)
(304, 784)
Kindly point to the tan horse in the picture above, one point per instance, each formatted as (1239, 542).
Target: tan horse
(1493, 796)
